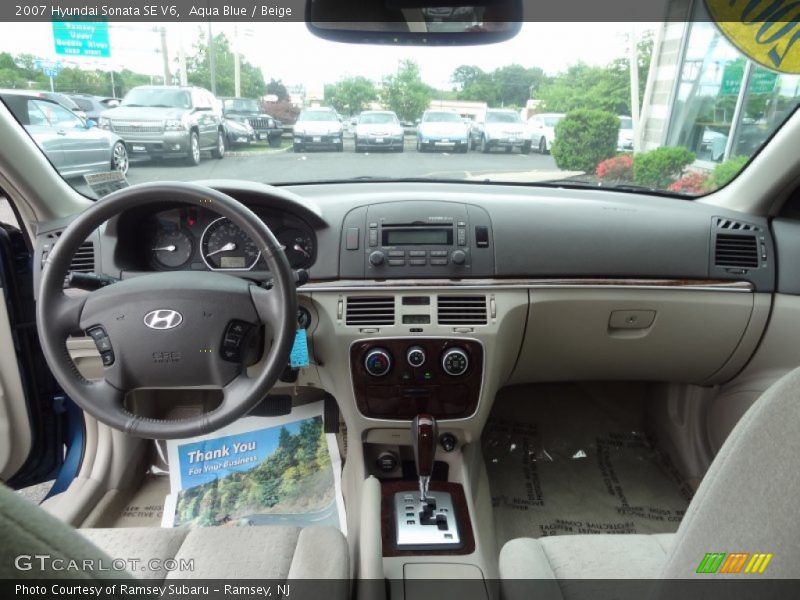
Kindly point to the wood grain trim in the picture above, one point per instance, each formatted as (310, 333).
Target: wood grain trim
(389, 488)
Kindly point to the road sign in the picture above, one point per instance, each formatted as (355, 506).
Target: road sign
(761, 81)
(78, 38)
(48, 67)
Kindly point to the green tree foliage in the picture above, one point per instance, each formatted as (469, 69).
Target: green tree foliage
(724, 172)
(507, 86)
(351, 95)
(405, 93)
(199, 73)
(584, 138)
(605, 88)
(661, 167)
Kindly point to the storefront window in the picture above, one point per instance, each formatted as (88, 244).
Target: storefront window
(706, 97)
(722, 94)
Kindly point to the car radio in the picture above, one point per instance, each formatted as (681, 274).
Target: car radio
(417, 239)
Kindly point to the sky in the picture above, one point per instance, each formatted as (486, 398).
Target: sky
(289, 52)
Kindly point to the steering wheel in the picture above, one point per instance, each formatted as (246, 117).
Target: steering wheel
(172, 329)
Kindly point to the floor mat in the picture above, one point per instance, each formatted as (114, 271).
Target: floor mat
(572, 458)
(146, 507)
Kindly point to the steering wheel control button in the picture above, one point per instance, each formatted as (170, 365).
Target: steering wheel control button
(233, 340)
(455, 362)
(103, 344)
(416, 356)
(378, 362)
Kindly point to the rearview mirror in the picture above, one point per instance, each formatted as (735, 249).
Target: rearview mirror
(415, 22)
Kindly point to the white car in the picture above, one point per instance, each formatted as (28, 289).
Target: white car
(625, 138)
(501, 128)
(542, 128)
(318, 128)
(378, 129)
(442, 129)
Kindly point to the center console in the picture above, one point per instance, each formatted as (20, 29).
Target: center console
(399, 378)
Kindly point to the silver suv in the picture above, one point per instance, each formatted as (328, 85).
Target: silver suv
(164, 121)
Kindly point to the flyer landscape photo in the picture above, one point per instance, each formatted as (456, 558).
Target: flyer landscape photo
(261, 471)
(400, 299)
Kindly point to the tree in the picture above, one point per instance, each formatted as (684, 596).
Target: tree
(275, 87)
(351, 95)
(514, 82)
(405, 93)
(198, 69)
(582, 86)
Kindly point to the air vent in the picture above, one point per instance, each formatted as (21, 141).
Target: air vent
(462, 310)
(732, 225)
(83, 261)
(740, 251)
(370, 310)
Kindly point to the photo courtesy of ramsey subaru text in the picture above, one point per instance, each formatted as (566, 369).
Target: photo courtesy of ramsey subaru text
(400, 300)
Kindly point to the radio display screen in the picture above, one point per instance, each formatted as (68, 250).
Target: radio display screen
(418, 236)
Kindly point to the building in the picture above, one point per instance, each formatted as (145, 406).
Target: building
(463, 107)
(702, 93)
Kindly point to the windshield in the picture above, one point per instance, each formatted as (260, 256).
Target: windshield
(377, 118)
(441, 117)
(240, 105)
(683, 122)
(503, 117)
(146, 97)
(317, 115)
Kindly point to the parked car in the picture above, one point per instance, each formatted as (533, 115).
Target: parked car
(248, 110)
(542, 129)
(93, 106)
(238, 133)
(163, 121)
(442, 129)
(318, 128)
(378, 129)
(625, 138)
(74, 146)
(500, 128)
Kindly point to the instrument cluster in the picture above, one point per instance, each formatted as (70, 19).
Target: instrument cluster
(191, 238)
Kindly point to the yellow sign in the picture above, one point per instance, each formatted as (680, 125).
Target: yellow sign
(766, 31)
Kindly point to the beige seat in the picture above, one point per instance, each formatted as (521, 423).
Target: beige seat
(747, 503)
(217, 552)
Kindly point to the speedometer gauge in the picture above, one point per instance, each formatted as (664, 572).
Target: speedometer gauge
(225, 246)
(298, 245)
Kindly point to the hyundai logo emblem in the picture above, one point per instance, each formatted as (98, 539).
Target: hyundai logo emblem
(163, 318)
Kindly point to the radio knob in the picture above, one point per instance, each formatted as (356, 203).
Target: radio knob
(376, 258)
(378, 362)
(455, 362)
(459, 257)
(416, 356)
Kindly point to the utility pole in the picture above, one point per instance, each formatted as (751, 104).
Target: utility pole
(212, 60)
(184, 78)
(165, 57)
(237, 64)
(113, 84)
(634, 68)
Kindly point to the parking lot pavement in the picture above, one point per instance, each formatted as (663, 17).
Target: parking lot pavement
(288, 166)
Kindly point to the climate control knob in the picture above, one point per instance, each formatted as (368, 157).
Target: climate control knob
(376, 258)
(455, 361)
(416, 356)
(378, 362)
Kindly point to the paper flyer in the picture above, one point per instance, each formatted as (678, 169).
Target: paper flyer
(258, 471)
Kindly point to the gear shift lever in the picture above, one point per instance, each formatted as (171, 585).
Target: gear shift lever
(424, 433)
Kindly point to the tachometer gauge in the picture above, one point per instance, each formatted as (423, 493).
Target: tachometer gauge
(225, 246)
(172, 248)
(299, 247)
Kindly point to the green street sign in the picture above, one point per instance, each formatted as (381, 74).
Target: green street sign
(79, 38)
(762, 81)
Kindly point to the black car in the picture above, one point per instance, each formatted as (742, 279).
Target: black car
(248, 110)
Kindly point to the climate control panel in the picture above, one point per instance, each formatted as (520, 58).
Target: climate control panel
(398, 378)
